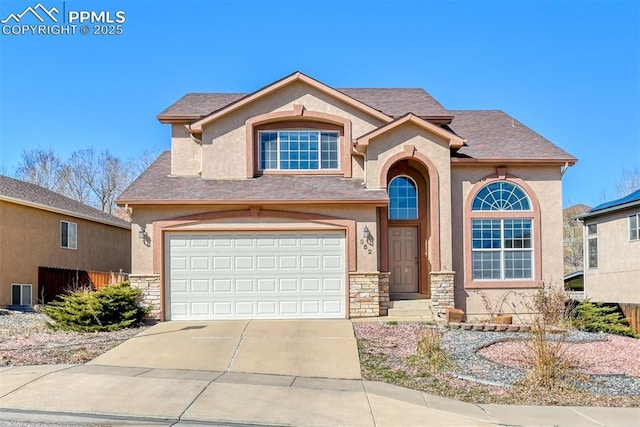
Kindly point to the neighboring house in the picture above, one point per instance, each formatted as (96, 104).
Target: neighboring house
(41, 228)
(612, 251)
(302, 200)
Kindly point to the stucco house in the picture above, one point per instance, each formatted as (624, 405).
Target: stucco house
(41, 228)
(300, 200)
(612, 251)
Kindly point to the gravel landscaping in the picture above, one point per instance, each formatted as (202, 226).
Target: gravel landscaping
(25, 339)
(489, 367)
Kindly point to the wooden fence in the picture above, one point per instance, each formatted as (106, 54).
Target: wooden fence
(632, 313)
(53, 282)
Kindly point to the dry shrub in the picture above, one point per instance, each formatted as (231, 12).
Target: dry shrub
(429, 355)
(547, 358)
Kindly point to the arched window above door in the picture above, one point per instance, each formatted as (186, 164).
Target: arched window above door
(403, 198)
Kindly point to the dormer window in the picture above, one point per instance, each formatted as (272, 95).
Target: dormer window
(302, 150)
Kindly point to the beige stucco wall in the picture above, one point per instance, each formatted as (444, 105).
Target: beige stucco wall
(228, 134)
(186, 154)
(30, 238)
(546, 184)
(617, 277)
(389, 144)
(142, 254)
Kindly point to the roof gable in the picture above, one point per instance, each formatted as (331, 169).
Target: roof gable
(455, 141)
(267, 90)
(24, 193)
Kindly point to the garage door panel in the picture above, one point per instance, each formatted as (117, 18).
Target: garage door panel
(255, 275)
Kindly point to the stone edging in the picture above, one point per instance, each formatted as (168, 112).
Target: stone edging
(489, 327)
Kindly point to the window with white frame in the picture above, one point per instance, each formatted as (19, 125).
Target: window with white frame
(634, 227)
(592, 252)
(68, 235)
(299, 150)
(403, 198)
(502, 245)
(21, 294)
(592, 228)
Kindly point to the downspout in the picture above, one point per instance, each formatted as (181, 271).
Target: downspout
(564, 169)
(364, 156)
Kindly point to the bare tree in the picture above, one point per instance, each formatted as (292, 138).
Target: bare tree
(97, 178)
(573, 238)
(43, 167)
(628, 182)
(92, 177)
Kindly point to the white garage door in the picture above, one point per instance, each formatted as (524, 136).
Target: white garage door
(255, 275)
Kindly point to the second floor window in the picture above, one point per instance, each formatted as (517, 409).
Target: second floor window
(68, 235)
(634, 227)
(299, 150)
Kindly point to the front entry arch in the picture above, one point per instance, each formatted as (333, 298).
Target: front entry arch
(408, 231)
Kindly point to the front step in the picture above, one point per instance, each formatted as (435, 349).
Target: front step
(411, 309)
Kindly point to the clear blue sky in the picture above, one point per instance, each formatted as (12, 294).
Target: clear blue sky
(569, 70)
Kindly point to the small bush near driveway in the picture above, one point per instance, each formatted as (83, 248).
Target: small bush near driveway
(111, 308)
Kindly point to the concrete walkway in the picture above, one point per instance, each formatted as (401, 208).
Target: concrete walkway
(115, 395)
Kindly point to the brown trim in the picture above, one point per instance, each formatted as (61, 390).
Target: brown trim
(454, 140)
(383, 217)
(502, 160)
(420, 223)
(212, 202)
(299, 116)
(433, 245)
(292, 78)
(534, 215)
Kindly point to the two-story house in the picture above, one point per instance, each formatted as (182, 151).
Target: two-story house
(300, 200)
(612, 250)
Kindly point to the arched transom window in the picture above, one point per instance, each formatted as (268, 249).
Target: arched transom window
(502, 244)
(501, 196)
(403, 198)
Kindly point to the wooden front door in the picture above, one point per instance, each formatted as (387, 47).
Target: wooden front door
(404, 262)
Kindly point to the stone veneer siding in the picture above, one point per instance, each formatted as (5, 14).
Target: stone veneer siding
(149, 285)
(442, 295)
(368, 293)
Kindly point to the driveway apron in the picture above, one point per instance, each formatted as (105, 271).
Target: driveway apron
(310, 348)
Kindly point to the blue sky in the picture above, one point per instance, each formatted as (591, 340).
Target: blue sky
(569, 70)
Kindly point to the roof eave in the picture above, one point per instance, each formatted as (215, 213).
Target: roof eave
(63, 212)
(472, 161)
(133, 202)
(610, 209)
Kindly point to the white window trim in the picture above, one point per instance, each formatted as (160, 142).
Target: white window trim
(637, 217)
(278, 169)
(503, 250)
(588, 254)
(415, 185)
(75, 242)
(22, 287)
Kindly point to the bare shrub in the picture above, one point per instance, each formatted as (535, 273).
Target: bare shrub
(429, 355)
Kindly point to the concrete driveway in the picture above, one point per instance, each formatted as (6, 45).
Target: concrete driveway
(309, 348)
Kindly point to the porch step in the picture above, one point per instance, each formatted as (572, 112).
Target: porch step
(419, 309)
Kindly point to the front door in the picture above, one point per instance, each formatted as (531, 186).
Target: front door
(404, 263)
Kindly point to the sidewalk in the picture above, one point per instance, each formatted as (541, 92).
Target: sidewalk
(96, 393)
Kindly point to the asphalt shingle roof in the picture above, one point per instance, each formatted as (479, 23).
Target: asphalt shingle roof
(21, 190)
(390, 101)
(493, 134)
(156, 184)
